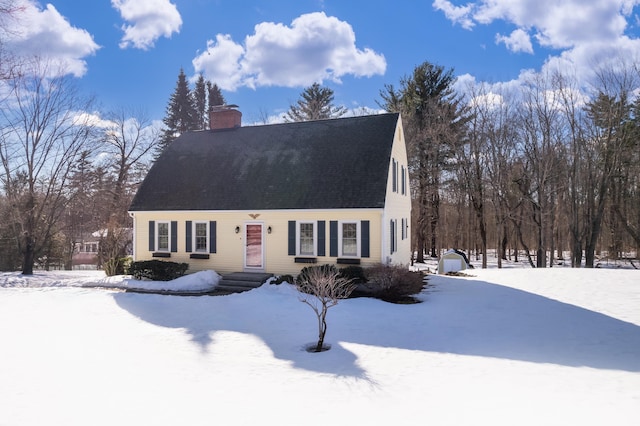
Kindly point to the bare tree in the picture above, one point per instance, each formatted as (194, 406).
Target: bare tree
(540, 142)
(129, 139)
(42, 133)
(321, 288)
(472, 159)
(610, 137)
(9, 15)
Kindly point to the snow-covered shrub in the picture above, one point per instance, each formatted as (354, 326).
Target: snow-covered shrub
(157, 270)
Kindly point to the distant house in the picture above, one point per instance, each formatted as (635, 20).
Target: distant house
(86, 250)
(276, 198)
(85, 253)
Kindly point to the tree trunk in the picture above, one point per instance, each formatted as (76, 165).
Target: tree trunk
(322, 328)
(435, 218)
(29, 255)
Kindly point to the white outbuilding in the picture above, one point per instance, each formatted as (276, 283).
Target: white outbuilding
(452, 261)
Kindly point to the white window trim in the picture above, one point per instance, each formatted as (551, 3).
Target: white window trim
(315, 237)
(358, 238)
(193, 236)
(168, 223)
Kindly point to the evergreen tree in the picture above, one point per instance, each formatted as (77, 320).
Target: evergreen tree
(315, 103)
(434, 121)
(200, 100)
(215, 95)
(181, 114)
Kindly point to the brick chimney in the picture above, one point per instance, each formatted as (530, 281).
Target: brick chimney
(225, 117)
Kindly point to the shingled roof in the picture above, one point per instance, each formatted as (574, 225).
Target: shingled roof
(324, 164)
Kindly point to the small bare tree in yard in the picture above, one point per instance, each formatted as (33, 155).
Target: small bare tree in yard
(321, 288)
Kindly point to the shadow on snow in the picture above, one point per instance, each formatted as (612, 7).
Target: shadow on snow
(465, 317)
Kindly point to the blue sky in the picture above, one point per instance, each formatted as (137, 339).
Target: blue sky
(263, 53)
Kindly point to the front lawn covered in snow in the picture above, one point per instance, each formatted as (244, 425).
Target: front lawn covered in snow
(553, 346)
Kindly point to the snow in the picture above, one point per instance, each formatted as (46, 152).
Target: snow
(198, 282)
(514, 346)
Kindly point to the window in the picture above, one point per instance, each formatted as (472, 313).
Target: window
(306, 238)
(200, 237)
(393, 228)
(162, 239)
(348, 239)
(403, 180)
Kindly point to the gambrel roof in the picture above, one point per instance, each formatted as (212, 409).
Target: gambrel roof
(324, 164)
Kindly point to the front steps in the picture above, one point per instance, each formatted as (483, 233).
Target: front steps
(238, 282)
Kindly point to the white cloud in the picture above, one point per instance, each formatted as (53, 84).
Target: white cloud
(456, 14)
(92, 119)
(588, 34)
(314, 48)
(559, 24)
(150, 20)
(517, 41)
(49, 35)
(220, 63)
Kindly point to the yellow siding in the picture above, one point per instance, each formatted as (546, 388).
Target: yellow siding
(231, 246)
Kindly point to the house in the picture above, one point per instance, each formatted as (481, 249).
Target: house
(276, 198)
(85, 253)
(453, 261)
(86, 250)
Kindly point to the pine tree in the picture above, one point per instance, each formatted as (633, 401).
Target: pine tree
(181, 113)
(200, 99)
(316, 103)
(434, 119)
(215, 95)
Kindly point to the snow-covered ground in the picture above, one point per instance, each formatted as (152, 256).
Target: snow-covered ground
(514, 346)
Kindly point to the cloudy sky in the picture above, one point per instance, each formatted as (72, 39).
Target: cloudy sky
(263, 53)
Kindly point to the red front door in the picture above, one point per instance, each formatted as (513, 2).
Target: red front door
(253, 258)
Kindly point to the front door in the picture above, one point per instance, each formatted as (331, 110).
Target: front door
(253, 255)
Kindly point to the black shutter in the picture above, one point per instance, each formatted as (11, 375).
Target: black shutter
(404, 181)
(391, 233)
(187, 243)
(292, 238)
(152, 235)
(364, 239)
(394, 170)
(322, 239)
(333, 238)
(213, 246)
(174, 236)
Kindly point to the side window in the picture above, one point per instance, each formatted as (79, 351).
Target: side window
(306, 238)
(162, 236)
(348, 238)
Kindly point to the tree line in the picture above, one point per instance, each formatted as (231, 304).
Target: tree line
(547, 168)
(68, 173)
(544, 169)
